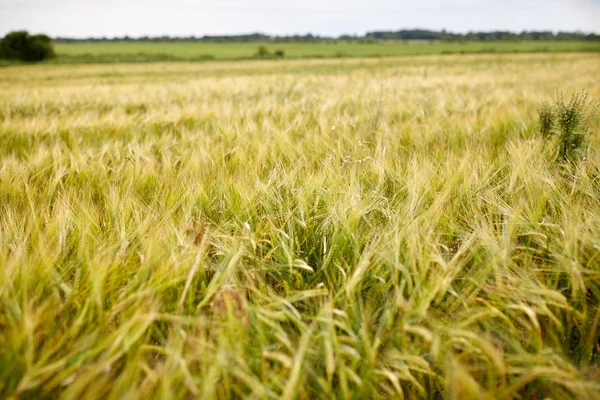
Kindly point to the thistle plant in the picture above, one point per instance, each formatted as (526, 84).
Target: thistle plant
(569, 121)
(546, 114)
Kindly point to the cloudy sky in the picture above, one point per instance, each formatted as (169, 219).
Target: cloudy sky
(81, 18)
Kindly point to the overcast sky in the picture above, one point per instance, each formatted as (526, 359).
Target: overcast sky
(81, 18)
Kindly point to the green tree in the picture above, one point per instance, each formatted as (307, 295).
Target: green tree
(20, 45)
(263, 52)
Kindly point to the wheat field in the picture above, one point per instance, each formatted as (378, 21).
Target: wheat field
(202, 231)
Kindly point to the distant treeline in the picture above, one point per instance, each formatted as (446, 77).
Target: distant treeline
(419, 34)
(406, 34)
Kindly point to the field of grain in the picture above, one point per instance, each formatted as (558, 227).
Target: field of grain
(198, 51)
(181, 230)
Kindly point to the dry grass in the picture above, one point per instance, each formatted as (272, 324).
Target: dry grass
(180, 230)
